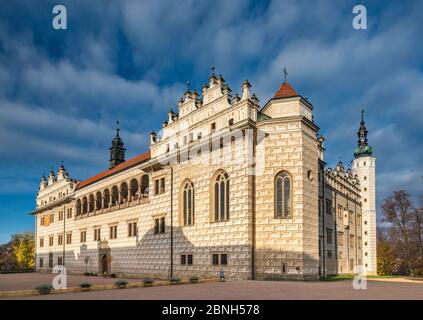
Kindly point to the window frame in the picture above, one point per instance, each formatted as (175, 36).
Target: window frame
(284, 174)
(220, 201)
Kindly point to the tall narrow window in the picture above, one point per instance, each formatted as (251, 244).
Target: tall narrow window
(188, 204)
(221, 197)
(283, 193)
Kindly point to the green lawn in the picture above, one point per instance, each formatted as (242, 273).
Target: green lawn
(341, 277)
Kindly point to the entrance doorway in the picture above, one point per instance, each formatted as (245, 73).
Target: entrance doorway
(104, 264)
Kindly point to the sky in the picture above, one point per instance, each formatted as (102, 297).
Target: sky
(61, 91)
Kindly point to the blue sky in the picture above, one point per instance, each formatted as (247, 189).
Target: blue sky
(61, 91)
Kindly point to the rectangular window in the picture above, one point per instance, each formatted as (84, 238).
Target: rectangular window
(352, 241)
(189, 259)
(156, 186)
(50, 241)
(215, 259)
(351, 216)
(156, 226)
(191, 137)
(159, 225)
(69, 213)
(68, 238)
(41, 262)
(221, 259)
(60, 215)
(97, 234)
(162, 185)
(213, 127)
(224, 259)
(83, 236)
(42, 221)
(60, 239)
(340, 238)
(329, 236)
(231, 122)
(328, 206)
(50, 260)
(52, 218)
(41, 242)
(162, 225)
(60, 261)
(183, 259)
(132, 229)
(340, 210)
(185, 140)
(113, 232)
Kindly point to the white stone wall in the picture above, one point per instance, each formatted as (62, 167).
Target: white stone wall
(365, 167)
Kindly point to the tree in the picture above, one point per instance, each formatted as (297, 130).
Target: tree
(23, 248)
(404, 231)
(386, 260)
(86, 260)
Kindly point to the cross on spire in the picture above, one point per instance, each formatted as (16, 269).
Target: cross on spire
(187, 86)
(212, 70)
(362, 113)
(285, 72)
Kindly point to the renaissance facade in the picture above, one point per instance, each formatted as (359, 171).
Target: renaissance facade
(225, 184)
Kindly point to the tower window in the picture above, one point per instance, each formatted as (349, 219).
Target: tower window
(283, 195)
(221, 197)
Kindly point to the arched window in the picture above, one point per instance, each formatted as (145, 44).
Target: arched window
(144, 186)
(115, 195)
(106, 198)
(134, 190)
(78, 207)
(91, 203)
(283, 195)
(98, 200)
(221, 196)
(84, 205)
(124, 192)
(187, 203)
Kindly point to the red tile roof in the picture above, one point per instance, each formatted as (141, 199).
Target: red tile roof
(127, 164)
(286, 91)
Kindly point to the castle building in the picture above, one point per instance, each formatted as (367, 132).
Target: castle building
(226, 184)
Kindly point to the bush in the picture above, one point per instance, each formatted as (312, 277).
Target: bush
(147, 282)
(44, 288)
(194, 279)
(87, 273)
(121, 284)
(85, 285)
(175, 280)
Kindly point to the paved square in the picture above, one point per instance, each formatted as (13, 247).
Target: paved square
(237, 290)
(28, 281)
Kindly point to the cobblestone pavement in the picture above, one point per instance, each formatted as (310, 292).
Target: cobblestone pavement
(28, 281)
(245, 290)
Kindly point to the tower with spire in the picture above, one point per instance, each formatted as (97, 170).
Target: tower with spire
(117, 150)
(364, 168)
